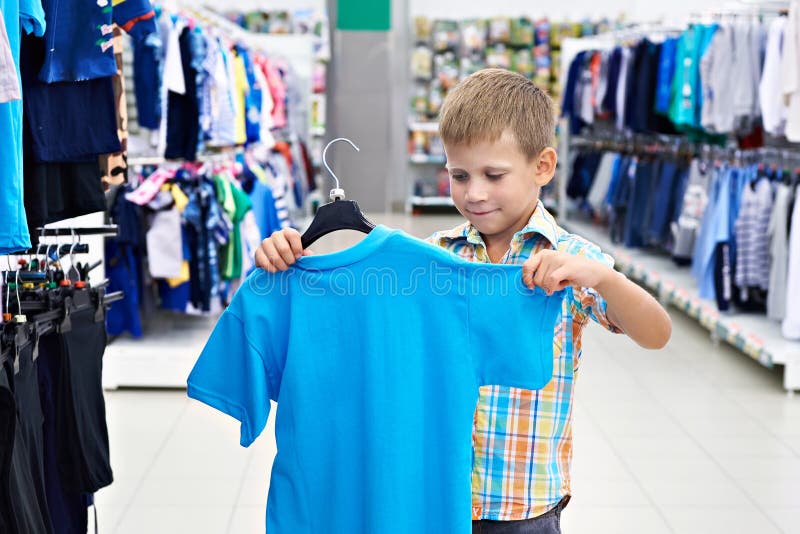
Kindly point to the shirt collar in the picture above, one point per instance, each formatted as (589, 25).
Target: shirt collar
(541, 223)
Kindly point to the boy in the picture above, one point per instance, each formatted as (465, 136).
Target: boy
(497, 127)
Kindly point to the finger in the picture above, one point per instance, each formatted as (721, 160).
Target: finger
(284, 250)
(308, 252)
(540, 278)
(295, 242)
(273, 256)
(261, 259)
(558, 279)
(529, 269)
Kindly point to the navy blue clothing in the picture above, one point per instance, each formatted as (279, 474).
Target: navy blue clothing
(609, 103)
(639, 195)
(583, 171)
(205, 232)
(80, 36)
(68, 510)
(663, 205)
(640, 115)
(568, 108)
(71, 121)
(123, 266)
(147, 76)
(183, 111)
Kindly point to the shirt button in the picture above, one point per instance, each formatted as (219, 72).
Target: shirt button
(687, 62)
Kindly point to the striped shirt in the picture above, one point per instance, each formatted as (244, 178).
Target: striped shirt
(522, 440)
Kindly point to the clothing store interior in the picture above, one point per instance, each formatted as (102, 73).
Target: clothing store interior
(226, 308)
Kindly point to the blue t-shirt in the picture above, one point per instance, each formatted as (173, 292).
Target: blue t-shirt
(27, 16)
(374, 355)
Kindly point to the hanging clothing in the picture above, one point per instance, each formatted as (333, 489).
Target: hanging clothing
(791, 322)
(790, 69)
(9, 80)
(773, 105)
(19, 16)
(752, 224)
(778, 233)
(80, 46)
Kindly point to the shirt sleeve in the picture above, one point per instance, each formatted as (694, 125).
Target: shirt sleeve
(136, 17)
(31, 17)
(589, 302)
(520, 354)
(235, 377)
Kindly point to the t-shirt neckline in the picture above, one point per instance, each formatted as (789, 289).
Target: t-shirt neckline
(350, 255)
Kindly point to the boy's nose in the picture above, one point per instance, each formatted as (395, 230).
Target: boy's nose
(476, 194)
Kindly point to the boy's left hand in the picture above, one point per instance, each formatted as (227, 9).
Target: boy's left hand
(554, 270)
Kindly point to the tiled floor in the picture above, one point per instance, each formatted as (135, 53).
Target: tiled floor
(691, 439)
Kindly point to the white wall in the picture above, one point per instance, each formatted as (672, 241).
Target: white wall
(635, 10)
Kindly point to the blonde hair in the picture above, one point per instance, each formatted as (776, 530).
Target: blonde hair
(490, 101)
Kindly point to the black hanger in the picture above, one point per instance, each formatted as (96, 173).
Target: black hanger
(339, 214)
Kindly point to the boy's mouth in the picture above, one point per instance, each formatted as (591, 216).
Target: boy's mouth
(482, 213)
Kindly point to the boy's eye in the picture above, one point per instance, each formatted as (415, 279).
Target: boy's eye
(459, 177)
(494, 176)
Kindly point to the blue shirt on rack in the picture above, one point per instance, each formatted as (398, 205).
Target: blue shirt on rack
(19, 16)
(376, 391)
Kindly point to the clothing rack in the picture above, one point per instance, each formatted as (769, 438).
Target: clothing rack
(753, 334)
(108, 230)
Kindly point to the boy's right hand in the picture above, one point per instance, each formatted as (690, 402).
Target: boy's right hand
(280, 250)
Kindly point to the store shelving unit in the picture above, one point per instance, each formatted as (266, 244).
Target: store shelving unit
(753, 334)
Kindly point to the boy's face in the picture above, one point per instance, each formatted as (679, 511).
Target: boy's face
(495, 186)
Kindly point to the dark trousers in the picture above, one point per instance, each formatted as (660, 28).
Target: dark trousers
(547, 523)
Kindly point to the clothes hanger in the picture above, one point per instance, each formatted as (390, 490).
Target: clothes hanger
(339, 214)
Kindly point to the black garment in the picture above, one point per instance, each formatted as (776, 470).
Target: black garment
(609, 104)
(8, 424)
(640, 115)
(26, 484)
(83, 450)
(583, 170)
(68, 511)
(31, 425)
(183, 111)
(58, 191)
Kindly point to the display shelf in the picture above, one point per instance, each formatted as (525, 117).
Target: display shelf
(431, 201)
(753, 334)
(418, 126)
(427, 159)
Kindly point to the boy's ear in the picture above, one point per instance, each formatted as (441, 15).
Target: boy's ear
(546, 166)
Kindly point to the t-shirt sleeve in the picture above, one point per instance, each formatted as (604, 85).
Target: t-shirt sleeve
(31, 17)
(511, 331)
(589, 302)
(235, 377)
(135, 17)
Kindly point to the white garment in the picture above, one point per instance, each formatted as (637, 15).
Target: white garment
(791, 324)
(773, 106)
(623, 81)
(790, 67)
(601, 182)
(716, 68)
(746, 72)
(266, 124)
(9, 81)
(778, 253)
(172, 79)
(165, 245)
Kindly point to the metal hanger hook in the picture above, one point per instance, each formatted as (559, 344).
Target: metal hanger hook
(325, 159)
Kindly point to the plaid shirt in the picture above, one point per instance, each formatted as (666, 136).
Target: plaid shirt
(522, 440)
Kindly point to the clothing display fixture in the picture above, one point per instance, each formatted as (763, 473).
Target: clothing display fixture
(361, 475)
(52, 339)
